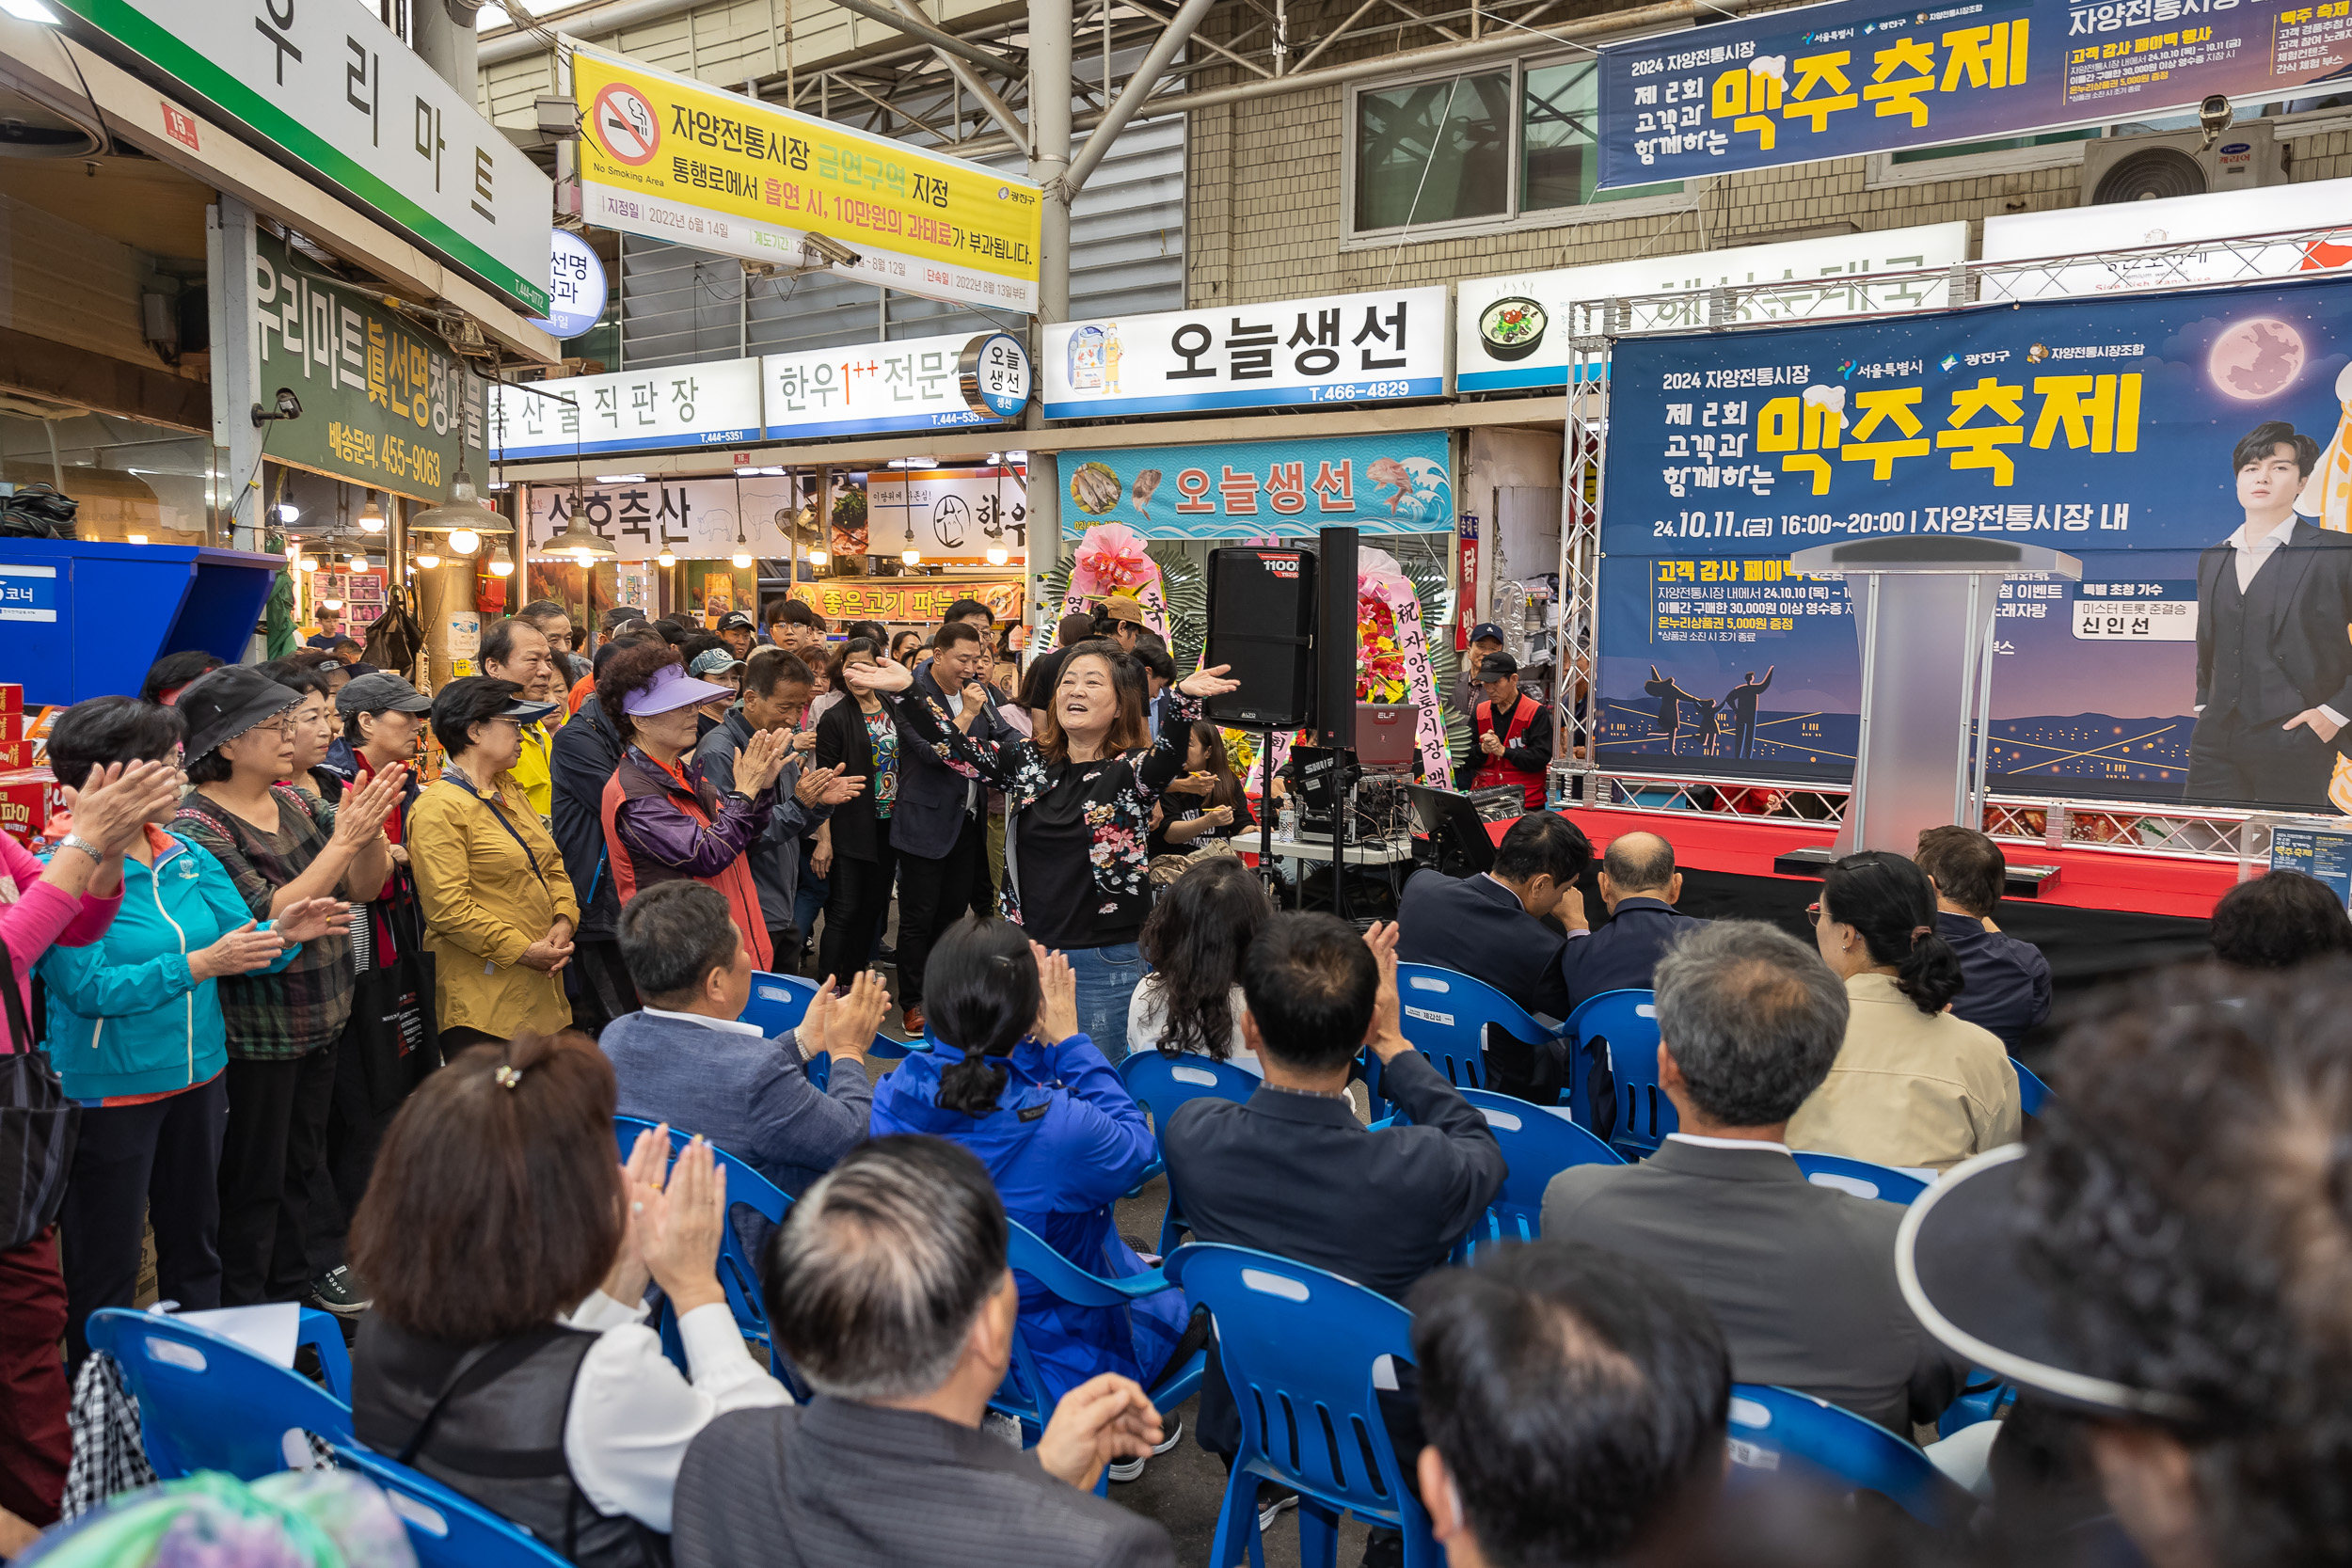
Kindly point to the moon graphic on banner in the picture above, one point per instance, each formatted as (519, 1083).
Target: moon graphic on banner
(2256, 359)
(950, 519)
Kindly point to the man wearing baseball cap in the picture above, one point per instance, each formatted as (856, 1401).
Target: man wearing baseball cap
(739, 631)
(1121, 619)
(1512, 732)
(1484, 637)
(2164, 1269)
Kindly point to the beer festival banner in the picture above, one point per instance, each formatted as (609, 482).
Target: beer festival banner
(2114, 430)
(1857, 76)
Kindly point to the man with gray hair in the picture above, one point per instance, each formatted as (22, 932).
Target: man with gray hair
(1802, 1277)
(888, 1288)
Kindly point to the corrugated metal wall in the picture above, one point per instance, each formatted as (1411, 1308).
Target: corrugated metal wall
(679, 306)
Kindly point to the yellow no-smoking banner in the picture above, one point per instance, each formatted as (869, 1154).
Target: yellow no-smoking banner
(672, 158)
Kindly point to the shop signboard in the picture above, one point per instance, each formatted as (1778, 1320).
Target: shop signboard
(715, 404)
(947, 514)
(908, 384)
(384, 403)
(1856, 77)
(696, 519)
(888, 600)
(1512, 332)
(2107, 428)
(1386, 346)
(335, 92)
(675, 159)
(1399, 483)
(575, 283)
(2179, 223)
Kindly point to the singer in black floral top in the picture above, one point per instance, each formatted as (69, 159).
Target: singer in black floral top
(1077, 811)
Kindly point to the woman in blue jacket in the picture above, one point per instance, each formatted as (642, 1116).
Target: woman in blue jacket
(135, 1031)
(1009, 1077)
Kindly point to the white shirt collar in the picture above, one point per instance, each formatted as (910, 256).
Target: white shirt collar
(736, 1025)
(2268, 540)
(1708, 1143)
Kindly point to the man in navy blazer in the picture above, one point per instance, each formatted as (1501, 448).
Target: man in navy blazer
(1640, 884)
(939, 825)
(2004, 983)
(1492, 926)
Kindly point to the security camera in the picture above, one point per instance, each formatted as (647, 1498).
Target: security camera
(289, 407)
(2215, 115)
(830, 250)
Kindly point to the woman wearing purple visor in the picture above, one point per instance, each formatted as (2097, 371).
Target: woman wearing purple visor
(661, 822)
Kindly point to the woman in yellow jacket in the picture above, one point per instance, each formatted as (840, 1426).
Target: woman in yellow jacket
(498, 910)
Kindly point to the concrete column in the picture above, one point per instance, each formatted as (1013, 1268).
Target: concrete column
(229, 259)
(1051, 32)
(442, 33)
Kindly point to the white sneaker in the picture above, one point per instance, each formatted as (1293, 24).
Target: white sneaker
(1130, 1470)
(1268, 1513)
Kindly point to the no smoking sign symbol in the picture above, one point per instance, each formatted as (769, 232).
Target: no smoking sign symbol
(625, 124)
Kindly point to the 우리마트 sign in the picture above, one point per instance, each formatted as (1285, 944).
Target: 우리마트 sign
(1855, 76)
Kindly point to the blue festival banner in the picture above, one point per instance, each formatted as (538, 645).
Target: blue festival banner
(1398, 484)
(1856, 77)
(2138, 435)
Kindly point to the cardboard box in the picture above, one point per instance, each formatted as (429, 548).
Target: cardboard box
(12, 697)
(28, 798)
(16, 754)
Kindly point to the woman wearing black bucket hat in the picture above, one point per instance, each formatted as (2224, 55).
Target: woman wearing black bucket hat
(280, 847)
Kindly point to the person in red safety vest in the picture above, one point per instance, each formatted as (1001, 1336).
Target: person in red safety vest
(1513, 732)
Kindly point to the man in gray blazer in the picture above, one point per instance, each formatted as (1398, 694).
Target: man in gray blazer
(1800, 1277)
(888, 1288)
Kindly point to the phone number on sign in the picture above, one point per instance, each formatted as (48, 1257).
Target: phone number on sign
(1374, 389)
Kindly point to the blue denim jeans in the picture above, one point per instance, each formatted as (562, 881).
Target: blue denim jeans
(808, 898)
(1108, 977)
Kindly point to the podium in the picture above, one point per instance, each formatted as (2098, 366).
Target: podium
(1923, 608)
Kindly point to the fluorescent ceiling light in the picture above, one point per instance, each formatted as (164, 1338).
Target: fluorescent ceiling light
(620, 478)
(31, 10)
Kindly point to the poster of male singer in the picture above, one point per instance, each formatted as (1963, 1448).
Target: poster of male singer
(2193, 450)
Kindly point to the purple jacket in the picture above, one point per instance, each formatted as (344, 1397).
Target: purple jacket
(661, 826)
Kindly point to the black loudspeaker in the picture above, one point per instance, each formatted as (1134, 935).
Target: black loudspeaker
(1335, 642)
(1261, 624)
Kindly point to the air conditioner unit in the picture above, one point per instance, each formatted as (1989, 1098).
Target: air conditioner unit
(2148, 169)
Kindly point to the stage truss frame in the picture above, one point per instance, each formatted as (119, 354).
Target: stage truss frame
(2180, 831)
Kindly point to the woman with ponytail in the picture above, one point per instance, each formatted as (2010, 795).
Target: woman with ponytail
(1009, 1076)
(1912, 1085)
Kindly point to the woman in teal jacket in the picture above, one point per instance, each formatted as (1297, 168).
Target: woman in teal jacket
(135, 1031)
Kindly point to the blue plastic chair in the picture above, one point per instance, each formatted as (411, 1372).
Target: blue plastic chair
(1160, 1083)
(1022, 1395)
(2032, 1093)
(1628, 1019)
(1446, 1014)
(1298, 1346)
(206, 1403)
(1779, 1429)
(445, 1529)
(1538, 1143)
(321, 1332)
(1859, 1177)
(779, 1002)
(739, 1272)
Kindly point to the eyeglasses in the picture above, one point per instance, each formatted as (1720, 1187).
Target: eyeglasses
(1812, 913)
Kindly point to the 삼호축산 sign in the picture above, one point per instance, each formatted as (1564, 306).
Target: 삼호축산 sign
(1401, 483)
(1380, 347)
(385, 405)
(2142, 433)
(1855, 76)
(699, 519)
(675, 159)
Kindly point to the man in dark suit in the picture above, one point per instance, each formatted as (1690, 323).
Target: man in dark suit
(1640, 884)
(2005, 982)
(1293, 1171)
(1742, 700)
(939, 826)
(1800, 1277)
(2274, 667)
(1492, 925)
(888, 1288)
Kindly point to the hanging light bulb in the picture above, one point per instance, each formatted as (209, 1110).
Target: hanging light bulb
(502, 564)
(310, 563)
(998, 555)
(427, 559)
(288, 512)
(913, 558)
(817, 558)
(464, 541)
(371, 516)
(330, 604)
(136, 538)
(667, 557)
(740, 558)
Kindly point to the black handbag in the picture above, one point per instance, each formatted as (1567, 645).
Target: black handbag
(37, 1126)
(393, 1026)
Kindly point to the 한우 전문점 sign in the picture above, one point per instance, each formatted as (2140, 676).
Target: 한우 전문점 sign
(908, 384)
(2142, 433)
(1514, 331)
(1857, 76)
(1380, 347)
(677, 159)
